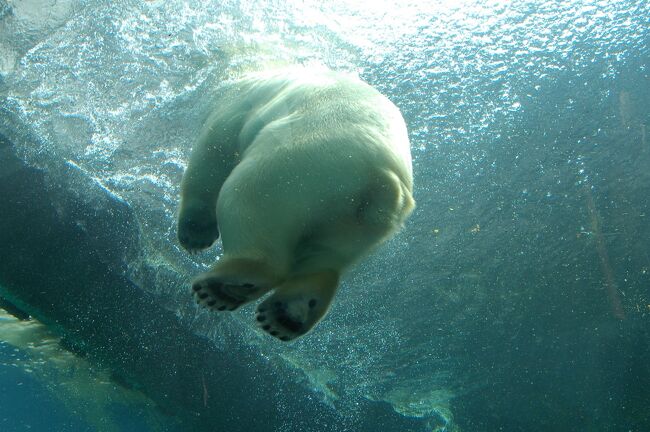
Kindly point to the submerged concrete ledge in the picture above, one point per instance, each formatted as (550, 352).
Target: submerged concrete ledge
(70, 275)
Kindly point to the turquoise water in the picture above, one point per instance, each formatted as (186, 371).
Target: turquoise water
(28, 404)
(20, 393)
(515, 299)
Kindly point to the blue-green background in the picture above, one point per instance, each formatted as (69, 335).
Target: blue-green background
(517, 298)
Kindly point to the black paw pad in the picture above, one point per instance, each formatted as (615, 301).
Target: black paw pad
(289, 323)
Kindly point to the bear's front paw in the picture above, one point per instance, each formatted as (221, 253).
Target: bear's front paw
(197, 230)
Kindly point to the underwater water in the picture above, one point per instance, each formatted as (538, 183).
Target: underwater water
(517, 297)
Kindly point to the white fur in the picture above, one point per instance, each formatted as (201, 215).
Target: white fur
(308, 170)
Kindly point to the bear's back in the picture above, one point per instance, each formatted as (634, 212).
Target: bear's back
(333, 108)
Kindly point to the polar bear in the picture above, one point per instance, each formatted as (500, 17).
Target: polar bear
(302, 171)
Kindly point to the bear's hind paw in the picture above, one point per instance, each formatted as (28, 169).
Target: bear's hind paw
(213, 293)
(274, 319)
(297, 305)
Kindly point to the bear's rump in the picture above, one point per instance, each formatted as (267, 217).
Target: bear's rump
(271, 203)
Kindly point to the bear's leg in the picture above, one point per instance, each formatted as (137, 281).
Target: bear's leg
(233, 282)
(297, 305)
(211, 162)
